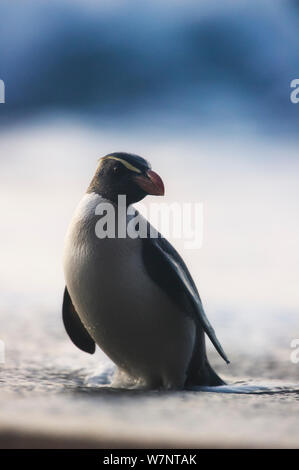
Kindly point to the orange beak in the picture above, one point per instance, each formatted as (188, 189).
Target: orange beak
(151, 183)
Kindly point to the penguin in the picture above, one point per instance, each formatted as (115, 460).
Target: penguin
(133, 296)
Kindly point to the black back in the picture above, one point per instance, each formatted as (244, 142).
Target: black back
(168, 270)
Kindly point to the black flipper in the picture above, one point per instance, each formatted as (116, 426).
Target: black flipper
(168, 270)
(74, 327)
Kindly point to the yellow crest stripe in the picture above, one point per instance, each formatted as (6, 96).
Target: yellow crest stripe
(125, 163)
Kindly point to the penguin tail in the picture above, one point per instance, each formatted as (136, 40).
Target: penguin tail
(213, 377)
(200, 371)
(204, 375)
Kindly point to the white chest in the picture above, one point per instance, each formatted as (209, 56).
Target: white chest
(104, 274)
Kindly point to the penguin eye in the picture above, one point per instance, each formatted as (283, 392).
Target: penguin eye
(118, 169)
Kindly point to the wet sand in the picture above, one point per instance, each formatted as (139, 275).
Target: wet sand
(61, 406)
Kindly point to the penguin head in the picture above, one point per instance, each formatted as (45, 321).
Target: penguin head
(126, 174)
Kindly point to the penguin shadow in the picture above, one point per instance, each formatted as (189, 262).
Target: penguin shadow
(248, 388)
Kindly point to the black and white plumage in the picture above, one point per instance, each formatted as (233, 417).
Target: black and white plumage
(134, 297)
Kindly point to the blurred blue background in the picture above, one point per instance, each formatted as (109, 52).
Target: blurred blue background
(192, 64)
(201, 89)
